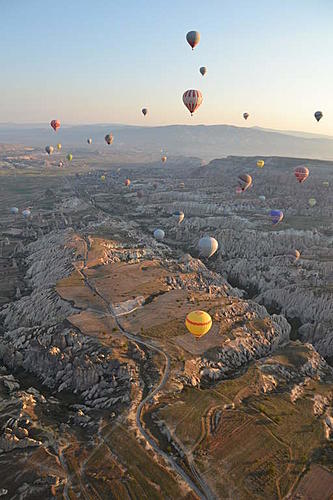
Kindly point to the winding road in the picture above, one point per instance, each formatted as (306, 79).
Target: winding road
(204, 492)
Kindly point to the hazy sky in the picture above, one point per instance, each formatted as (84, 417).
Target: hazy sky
(103, 60)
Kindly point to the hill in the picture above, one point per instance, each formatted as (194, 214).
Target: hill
(207, 142)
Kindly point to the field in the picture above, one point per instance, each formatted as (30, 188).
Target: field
(248, 444)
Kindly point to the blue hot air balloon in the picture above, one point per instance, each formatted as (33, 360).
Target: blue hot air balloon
(276, 216)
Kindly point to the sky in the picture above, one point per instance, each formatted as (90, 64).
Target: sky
(101, 61)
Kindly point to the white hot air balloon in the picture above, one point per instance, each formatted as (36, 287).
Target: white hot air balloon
(207, 246)
(159, 234)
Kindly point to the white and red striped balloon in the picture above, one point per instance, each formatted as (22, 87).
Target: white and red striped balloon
(301, 173)
(192, 100)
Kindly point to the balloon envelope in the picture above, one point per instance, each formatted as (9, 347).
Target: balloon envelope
(193, 38)
(102, 178)
(144, 111)
(89, 141)
(276, 216)
(244, 181)
(127, 182)
(55, 124)
(69, 157)
(192, 99)
(164, 159)
(198, 323)
(312, 202)
(49, 149)
(262, 197)
(59, 146)
(318, 115)
(245, 116)
(296, 254)
(109, 138)
(159, 234)
(203, 70)
(179, 216)
(26, 213)
(207, 246)
(301, 173)
(14, 210)
(260, 163)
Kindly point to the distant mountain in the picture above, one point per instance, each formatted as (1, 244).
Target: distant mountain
(203, 141)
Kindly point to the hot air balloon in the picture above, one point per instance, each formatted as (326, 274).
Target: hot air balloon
(109, 138)
(49, 149)
(61, 164)
(14, 210)
(59, 146)
(192, 99)
(26, 213)
(326, 183)
(127, 182)
(89, 140)
(182, 185)
(262, 197)
(312, 202)
(244, 181)
(159, 234)
(69, 157)
(198, 323)
(207, 246)
(179, 216)
(55, 124)
(102, 178)
(296, 255)
(301, 173)
(163, 159)
(245, 116)
(144, 111)
(318, 115)
(276, 216)
(203, 70)
(193, 38)
(260, 163)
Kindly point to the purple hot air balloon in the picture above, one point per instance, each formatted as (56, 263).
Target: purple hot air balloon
(276, 216)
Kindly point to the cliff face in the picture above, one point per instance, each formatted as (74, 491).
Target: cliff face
(37, 338)
(253, 255)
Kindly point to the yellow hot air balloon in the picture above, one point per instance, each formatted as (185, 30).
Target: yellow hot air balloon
(59, 146)
(260, 163)
(312, 202)
(198, 323)
(102, 178)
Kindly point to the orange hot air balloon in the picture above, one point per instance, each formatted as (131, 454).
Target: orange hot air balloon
(163, 159)
(55, 124)
(192, 99)
(301, 173)
(127, 182)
